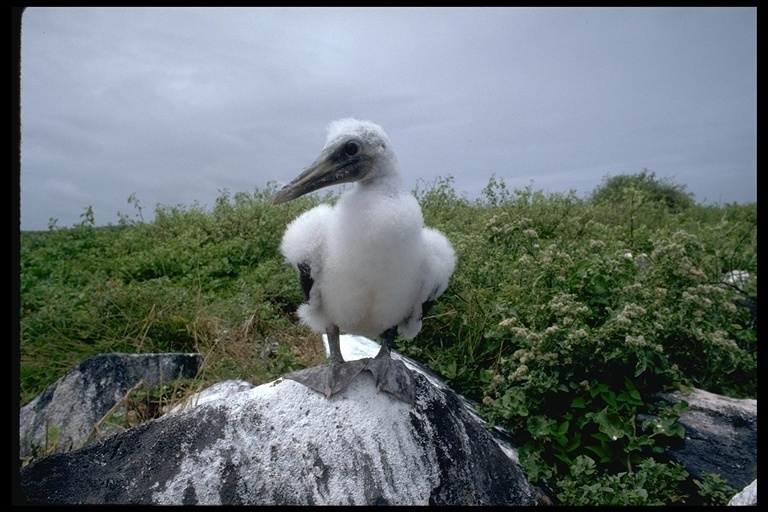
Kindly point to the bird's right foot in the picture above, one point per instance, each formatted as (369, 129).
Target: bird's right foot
(330, 378)
(392, 376)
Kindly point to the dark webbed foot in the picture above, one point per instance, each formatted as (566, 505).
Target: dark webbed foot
(330, 378)
(392, 376)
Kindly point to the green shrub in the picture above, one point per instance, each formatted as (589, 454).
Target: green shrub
(563, 316)
(640, 189)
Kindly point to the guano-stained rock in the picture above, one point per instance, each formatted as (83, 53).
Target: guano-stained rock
(75, 403)
(283, 444)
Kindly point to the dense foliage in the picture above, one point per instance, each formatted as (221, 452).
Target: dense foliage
(563, 317)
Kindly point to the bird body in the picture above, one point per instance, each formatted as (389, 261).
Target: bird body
(367, 258)
(369, 264)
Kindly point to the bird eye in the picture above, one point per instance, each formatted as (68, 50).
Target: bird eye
(351, 148)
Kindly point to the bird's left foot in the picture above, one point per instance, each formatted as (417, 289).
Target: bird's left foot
(330, 378)
(392, 376)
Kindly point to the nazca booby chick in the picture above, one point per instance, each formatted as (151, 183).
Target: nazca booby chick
(368, 265)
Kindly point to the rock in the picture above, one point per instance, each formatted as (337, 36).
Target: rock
(358, 347)
(747, 497)
(83, 396)
(218, 391)
(720, 436)
(283, 444)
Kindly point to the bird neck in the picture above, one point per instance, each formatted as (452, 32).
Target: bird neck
(385, 177)
(391, 185)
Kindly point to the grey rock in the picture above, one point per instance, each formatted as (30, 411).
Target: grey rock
(357, 347)
(720, 436)
(83, 396)
(747, 497)
(283, 444)
(218, 391)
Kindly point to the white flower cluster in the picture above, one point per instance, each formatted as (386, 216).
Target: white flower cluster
(565, 304)
(630, 312)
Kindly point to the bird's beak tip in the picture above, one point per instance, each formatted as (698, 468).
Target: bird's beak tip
(276, 199)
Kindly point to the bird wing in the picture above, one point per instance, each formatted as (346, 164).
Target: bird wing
(438, 265)
(305, 279)
(303, 246)
(304, 238)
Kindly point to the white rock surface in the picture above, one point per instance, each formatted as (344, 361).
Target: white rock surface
(747, 497)
(284, 444)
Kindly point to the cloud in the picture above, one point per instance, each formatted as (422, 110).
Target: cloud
(175, 104)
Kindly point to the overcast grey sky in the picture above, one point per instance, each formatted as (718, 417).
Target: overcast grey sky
(175, 105)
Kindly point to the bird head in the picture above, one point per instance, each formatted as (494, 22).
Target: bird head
(355, 151)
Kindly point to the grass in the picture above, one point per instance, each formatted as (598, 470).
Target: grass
(563, 316)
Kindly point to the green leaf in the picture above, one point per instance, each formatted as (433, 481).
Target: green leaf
(611, 424)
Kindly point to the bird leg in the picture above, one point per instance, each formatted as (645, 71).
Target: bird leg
(330, 378)
(391, 376)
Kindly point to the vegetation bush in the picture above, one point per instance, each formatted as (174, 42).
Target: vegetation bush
(643, 189)
(564, 315)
